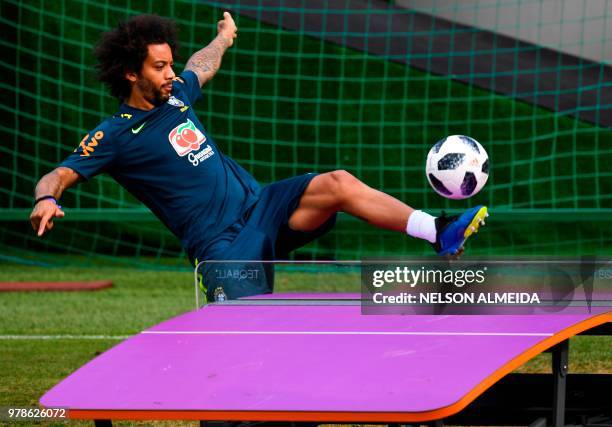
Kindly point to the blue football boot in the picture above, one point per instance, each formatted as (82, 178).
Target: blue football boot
(454, 230)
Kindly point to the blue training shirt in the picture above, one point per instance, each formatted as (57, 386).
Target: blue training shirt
(165, 158)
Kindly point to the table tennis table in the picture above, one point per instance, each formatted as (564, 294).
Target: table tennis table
(316, 358)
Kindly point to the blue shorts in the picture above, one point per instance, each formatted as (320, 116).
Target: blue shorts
(263, 234)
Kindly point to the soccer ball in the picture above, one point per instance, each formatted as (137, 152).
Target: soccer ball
(457, 167)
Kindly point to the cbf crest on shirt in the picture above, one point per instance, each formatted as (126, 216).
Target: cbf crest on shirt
(165, 158)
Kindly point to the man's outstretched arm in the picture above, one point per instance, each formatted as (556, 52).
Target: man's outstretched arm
(206, 62)
(52, 184)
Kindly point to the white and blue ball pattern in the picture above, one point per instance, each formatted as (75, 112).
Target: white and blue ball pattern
(457, 167)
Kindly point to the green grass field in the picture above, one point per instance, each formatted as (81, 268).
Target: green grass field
(45, 336)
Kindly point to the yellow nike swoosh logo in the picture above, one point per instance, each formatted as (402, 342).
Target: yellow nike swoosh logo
(138, 129)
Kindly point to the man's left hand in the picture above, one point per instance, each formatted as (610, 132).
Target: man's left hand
(227, 29)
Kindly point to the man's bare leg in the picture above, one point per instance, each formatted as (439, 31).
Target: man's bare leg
(337, 191)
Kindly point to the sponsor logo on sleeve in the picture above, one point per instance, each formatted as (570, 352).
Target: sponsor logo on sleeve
(89, 147)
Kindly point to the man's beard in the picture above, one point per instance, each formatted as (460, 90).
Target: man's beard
(150, 92)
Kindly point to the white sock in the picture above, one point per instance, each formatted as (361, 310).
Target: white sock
(422, 225)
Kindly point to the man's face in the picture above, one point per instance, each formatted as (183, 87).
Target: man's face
(155, 79)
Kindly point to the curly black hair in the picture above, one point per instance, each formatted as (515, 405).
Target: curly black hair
(125, 48)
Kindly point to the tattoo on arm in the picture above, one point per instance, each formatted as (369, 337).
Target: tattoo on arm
(206, 62)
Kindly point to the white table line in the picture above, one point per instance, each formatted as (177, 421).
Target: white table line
(501, 334)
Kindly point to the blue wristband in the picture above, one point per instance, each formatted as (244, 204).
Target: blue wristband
(40, 199)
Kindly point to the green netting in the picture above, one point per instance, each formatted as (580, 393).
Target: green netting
(289, 99)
